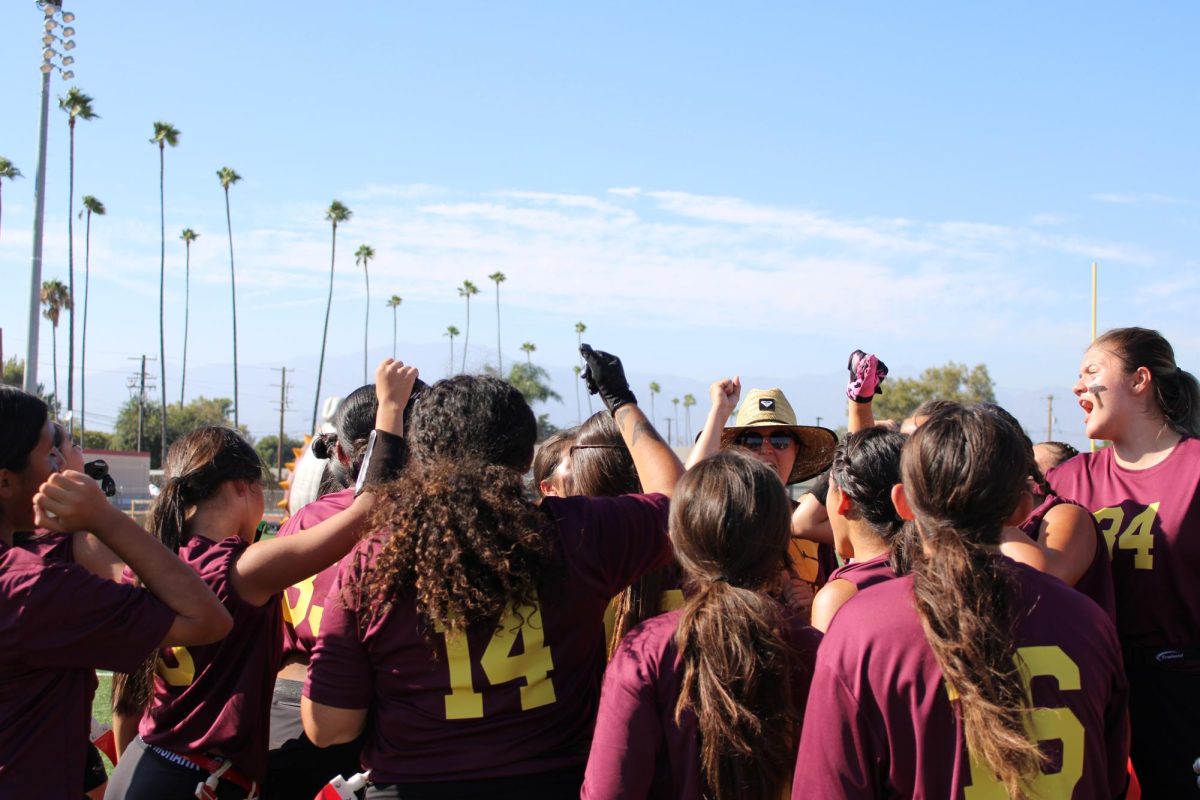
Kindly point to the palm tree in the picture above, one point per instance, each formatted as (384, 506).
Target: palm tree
(393, 303)
(8, 170)
(528, 349)
(55, 297)
(362, 255)
(654, 389)
(675, 402)
(498, 278)
(227, 176)
(188, 236)
(465, 291)
(689, 400)
(337, 213)
(76, 104)
(164, 134)
(451, 331)
(580, 328)
(92, 206)
(578, 409)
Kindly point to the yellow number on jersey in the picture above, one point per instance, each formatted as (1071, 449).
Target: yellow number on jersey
(294, 614)
(532, 664)
(1138, 536)
(1045, 724)
(181, 675)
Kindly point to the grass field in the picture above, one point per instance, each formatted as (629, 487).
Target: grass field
(101, 704)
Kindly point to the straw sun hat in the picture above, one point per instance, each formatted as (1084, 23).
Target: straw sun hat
(768, 408)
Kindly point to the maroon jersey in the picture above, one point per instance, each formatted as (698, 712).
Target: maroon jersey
(304, 603)
(1097, 581)
(50, 545)
(466, 706)
(58, 622)
(215, 699)
(1150, 519)
(638, 750)
(866, 573)
(881, 722)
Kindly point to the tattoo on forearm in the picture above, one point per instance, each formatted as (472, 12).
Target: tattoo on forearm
(644, 428)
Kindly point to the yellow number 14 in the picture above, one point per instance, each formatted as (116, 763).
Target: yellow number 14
(532, 664)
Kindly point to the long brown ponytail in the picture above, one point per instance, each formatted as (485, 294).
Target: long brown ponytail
(964, 471)
(196, 467)
(730, 524)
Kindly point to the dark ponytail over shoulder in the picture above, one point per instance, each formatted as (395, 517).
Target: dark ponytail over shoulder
(964, 472)
(196, 467)
(731, 524)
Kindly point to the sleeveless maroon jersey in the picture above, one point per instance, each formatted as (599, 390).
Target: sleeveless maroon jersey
(1096, 582)
(1150, 519)
(215, 699)
(881, 721)
(518, 700)
(866, 573)
(638, 750)
(304, 603)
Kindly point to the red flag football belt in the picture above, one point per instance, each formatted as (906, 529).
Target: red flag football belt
(218, 770)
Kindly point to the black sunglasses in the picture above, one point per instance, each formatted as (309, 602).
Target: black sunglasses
(754, 441)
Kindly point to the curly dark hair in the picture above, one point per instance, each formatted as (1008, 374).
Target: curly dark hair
(460, 534)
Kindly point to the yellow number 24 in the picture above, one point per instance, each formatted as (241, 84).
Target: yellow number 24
(532, 664)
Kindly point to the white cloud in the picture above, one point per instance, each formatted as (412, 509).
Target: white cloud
(1135, 198)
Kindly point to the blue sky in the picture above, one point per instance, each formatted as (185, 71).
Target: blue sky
(712, 190)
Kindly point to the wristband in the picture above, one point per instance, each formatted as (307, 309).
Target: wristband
(385, 456)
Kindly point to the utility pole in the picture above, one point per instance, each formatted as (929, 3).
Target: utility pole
(138, 381)
(283, 406)
(670, 441)
(819, 418)
(1049, 418)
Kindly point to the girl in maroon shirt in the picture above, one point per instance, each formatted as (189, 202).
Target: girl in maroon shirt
(705, 701)
(929, 685)
(204, 711)
(866, 465)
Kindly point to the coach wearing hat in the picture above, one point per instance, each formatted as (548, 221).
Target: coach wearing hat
(765, 426)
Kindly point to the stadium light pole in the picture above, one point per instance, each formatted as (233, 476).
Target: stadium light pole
(50, 10)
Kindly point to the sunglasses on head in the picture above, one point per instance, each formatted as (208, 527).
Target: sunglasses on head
(754, 441)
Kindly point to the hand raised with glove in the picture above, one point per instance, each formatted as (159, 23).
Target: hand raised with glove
(604, 376)
(866, 374)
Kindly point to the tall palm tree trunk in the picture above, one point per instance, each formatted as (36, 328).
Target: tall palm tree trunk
(162, 288)
(466, 334)
(499, 354)
(187, 312)
(54, 361)
(451, 371)
(325, 333)
(394, 331)
(367, 324)
(71, 279)
(237, 407)
(87, 273)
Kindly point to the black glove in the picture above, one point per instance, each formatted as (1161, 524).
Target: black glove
(385, 457)
(605, 376)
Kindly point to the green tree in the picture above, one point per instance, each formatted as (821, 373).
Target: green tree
(8, 171)
(14, 375)
(92, 206)
(954, 381)
(179, 421)
(164, 134)
(96, 440)
(466, 291)
(55, 298)
(337, 213)
(77, 105)
(498, 278)
(394, 304)
(689, 400)
(228, 177)
(533, 382)
(654, 389)
(188, 236)
(363, 256)
(451, 331)
(580, 329)
(529, 348)
(268, 452)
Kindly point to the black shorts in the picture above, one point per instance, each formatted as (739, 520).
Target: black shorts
(143, 774)
(297, 768)
(558, 785)
(1164, 710)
